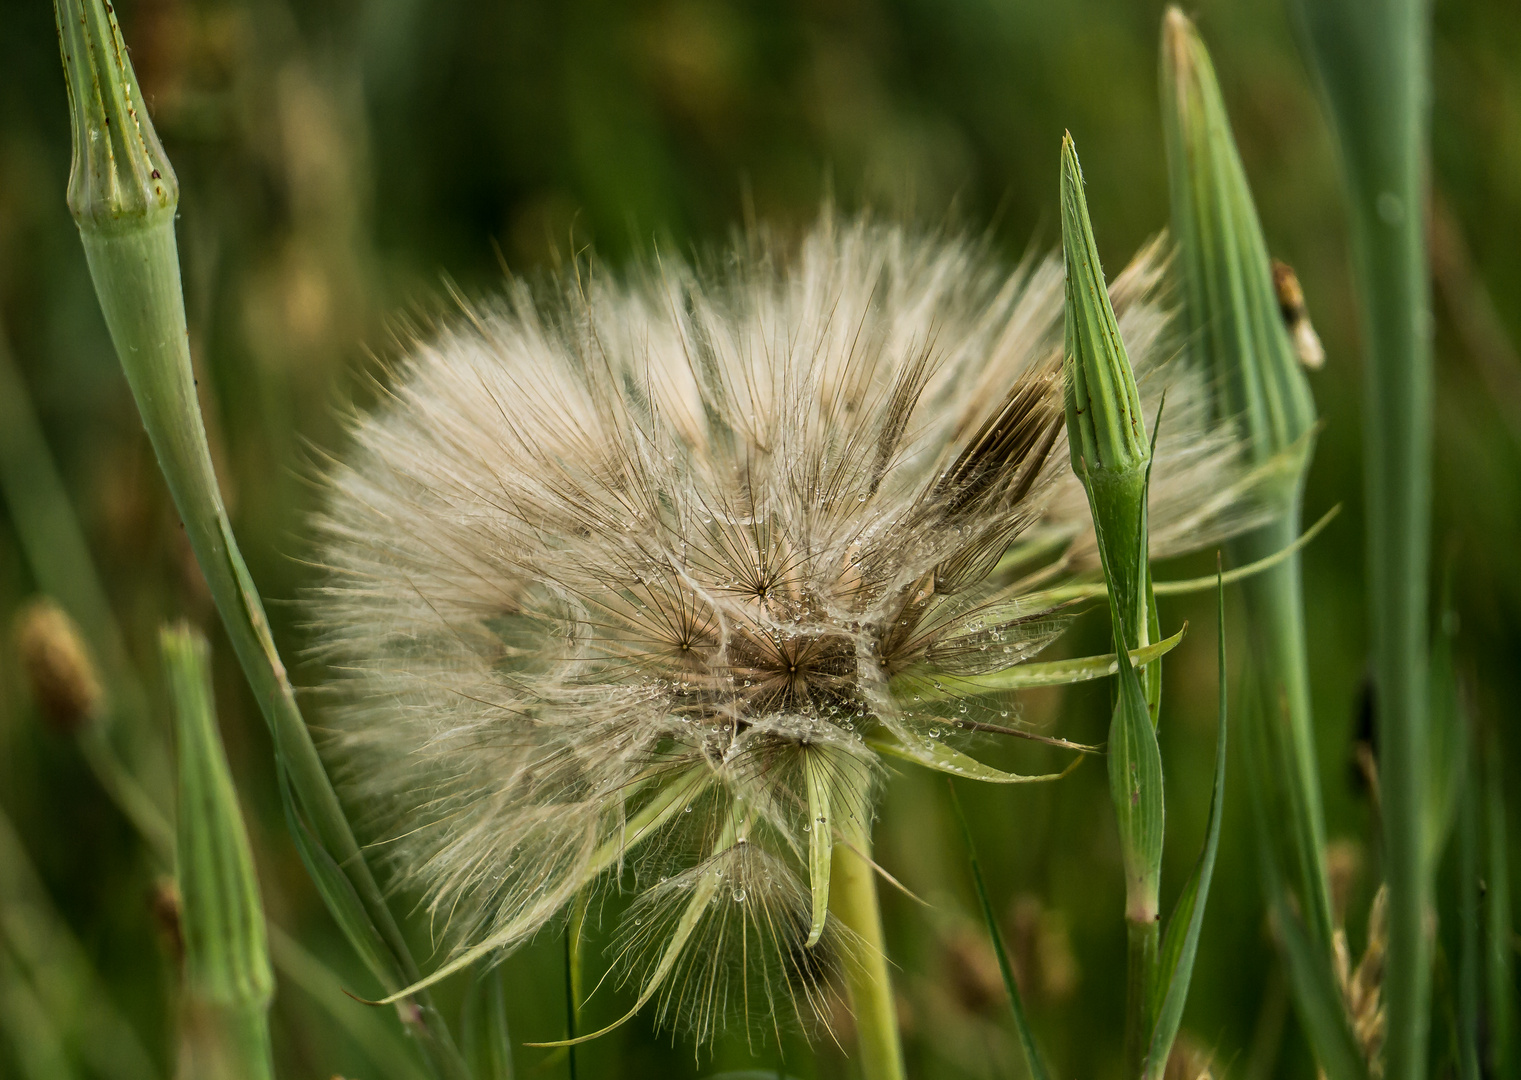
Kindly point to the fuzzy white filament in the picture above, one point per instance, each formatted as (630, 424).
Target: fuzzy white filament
(625, 585)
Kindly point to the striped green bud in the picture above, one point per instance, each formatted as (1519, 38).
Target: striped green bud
(120, 178)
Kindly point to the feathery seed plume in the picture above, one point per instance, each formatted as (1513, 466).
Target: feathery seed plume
(635, 584)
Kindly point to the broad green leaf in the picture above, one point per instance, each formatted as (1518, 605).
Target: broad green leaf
(1373, 59)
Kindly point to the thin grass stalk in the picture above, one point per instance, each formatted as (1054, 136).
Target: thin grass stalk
(36, 1043)
(1372, 57)
(1034, 1061)
(485, 1037)
(1469, 903)
(1499, 933)
(124, 195)
(868, 983)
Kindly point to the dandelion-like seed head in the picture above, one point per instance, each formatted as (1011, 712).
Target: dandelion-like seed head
(632, 584)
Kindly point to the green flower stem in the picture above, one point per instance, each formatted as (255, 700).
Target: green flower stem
(137, 279)
(124, 195)
(1143, 938)
(1373, 60)
(853, 900)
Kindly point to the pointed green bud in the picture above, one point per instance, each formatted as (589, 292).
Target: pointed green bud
(1236, 318)
(119, 178)
(1106, 431)
(1105, 428)
(228, 981)
(1249, 334)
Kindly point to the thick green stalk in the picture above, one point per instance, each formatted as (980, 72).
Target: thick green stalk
(1373, 61)
(853, 900)
(1142, 942)
(124, 195)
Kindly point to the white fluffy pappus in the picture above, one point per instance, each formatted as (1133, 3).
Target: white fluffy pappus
(632, 584)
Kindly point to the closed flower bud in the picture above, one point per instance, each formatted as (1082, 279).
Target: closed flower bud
(1105, 428)
(1236, 302)
(57, 666)
(120, 177)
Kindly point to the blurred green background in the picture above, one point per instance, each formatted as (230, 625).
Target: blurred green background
(347, 167)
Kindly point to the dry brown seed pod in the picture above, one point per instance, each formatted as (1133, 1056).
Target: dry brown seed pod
(57, 666)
